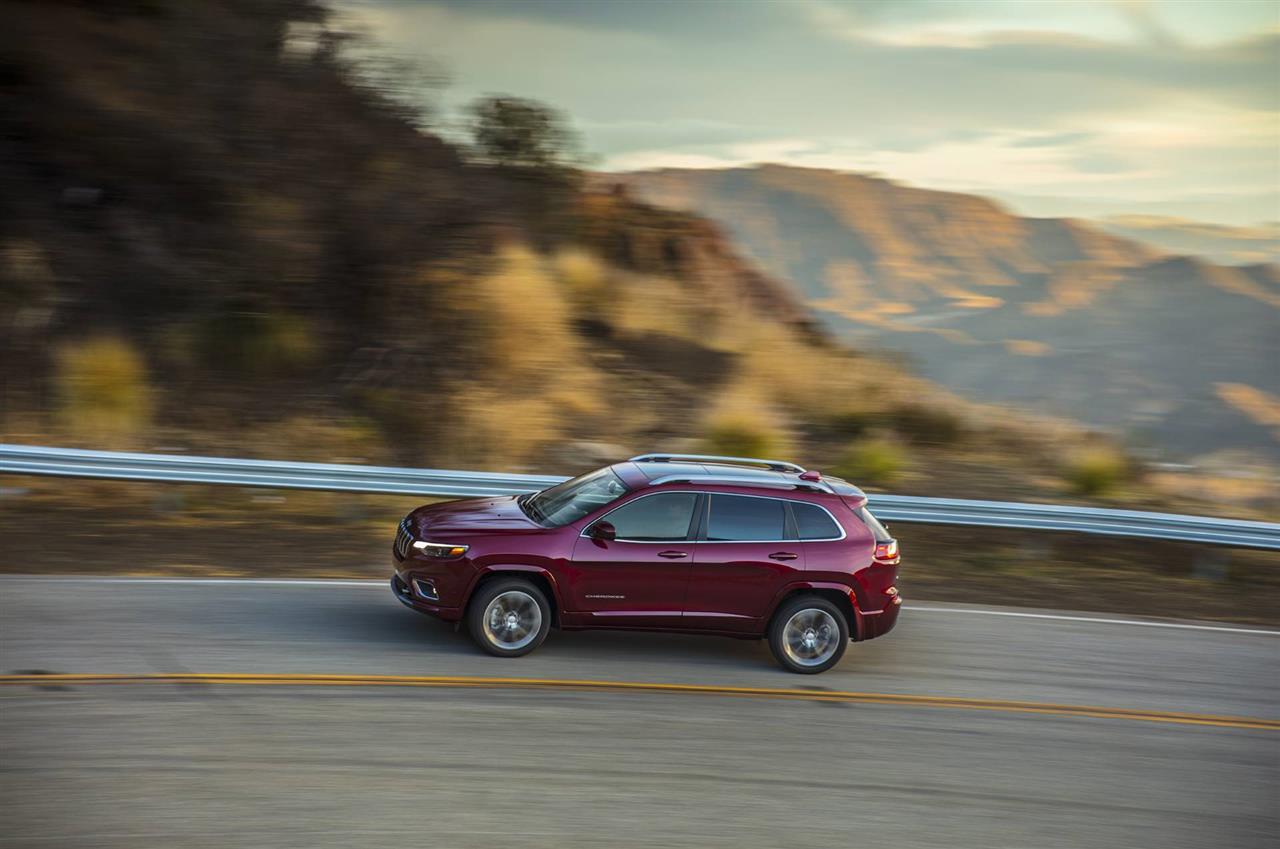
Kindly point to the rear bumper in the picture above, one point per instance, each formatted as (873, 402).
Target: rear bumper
(406, 595)
(878, 623)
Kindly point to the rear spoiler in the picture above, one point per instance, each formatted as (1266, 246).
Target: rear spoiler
(848, 493)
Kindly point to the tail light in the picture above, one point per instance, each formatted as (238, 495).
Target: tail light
(887, 552)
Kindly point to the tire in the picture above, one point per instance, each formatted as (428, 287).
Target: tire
(509, 617)
(808, 635)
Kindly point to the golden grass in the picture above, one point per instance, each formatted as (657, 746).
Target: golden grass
(526, 315)
(585, 278)
(1261, 407)
(103, 391)
(1027, 347)
(1096, 471)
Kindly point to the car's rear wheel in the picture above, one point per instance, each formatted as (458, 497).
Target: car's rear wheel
(509, 617)
(808, 635)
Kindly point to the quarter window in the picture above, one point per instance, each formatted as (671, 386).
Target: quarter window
(655, 518)
(813, 522)
(743, 518)
(879, 531)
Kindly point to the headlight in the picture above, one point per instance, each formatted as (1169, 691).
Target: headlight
(440, 549)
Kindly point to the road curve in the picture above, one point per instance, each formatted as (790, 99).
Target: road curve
(916, 738)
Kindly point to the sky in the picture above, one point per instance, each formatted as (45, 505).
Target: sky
(1167, 107)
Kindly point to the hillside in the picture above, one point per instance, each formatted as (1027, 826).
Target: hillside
(1054, 314)
(221, 236)
(218, 235)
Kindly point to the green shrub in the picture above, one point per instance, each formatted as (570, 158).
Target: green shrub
(287, 343)
(872, 462)
(920, 424)
(739, 435)
(926, 425)
(1096, 471)
(257, 344)
(103, 392)
(850, 423)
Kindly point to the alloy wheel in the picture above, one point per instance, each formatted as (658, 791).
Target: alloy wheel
(512, 620)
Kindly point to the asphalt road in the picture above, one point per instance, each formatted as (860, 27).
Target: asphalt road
(161, 765)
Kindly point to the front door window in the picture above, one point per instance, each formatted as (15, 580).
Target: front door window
(664, 517)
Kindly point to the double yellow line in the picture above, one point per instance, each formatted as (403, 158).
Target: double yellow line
(810, 695)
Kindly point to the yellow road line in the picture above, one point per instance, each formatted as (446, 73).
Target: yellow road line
(900, 699)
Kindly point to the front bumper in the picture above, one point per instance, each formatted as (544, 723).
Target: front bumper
(404, 591)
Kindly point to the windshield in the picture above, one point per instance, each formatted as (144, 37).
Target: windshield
(570, 501)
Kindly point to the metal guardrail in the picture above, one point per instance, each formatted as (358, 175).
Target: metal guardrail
(173, 468)
(176, 468)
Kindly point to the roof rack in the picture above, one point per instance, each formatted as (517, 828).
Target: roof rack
(727, 480)
(772, 465)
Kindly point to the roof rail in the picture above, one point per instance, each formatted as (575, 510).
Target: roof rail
(772, 465)
(776, 483)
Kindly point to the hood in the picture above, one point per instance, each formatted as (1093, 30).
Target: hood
(499, 514)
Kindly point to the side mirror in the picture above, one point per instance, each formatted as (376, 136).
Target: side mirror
(604, 531)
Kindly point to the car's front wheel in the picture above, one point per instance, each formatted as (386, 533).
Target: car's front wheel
(509, 617)
(808, 635)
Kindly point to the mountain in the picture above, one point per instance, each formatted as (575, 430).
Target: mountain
(1055, 314)
(1215, 242)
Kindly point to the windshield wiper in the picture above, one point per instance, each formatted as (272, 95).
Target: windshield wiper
(525, 503)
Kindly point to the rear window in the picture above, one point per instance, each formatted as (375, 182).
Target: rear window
(744, 518)
(813, 522)
(879, 531)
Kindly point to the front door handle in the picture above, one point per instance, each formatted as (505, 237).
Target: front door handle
(673, 555)
(783, 555)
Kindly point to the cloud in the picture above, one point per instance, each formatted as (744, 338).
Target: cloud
(1146, 22)
(1051, 139)
(1147, 100)
(982, 162)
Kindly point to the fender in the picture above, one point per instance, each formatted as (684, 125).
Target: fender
(843, 589)
(541, 571)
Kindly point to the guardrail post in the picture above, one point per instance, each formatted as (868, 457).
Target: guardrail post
(1036, 547)
(169, 501)
(1211, 564)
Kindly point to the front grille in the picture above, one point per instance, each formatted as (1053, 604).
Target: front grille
(404, 540)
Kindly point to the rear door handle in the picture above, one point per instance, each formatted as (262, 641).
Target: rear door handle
(783, 555)
(673, 555)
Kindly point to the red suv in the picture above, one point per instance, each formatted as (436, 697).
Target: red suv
(662, 542)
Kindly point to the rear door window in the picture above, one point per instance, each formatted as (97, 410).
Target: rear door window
(814, 523)
(744, 518)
